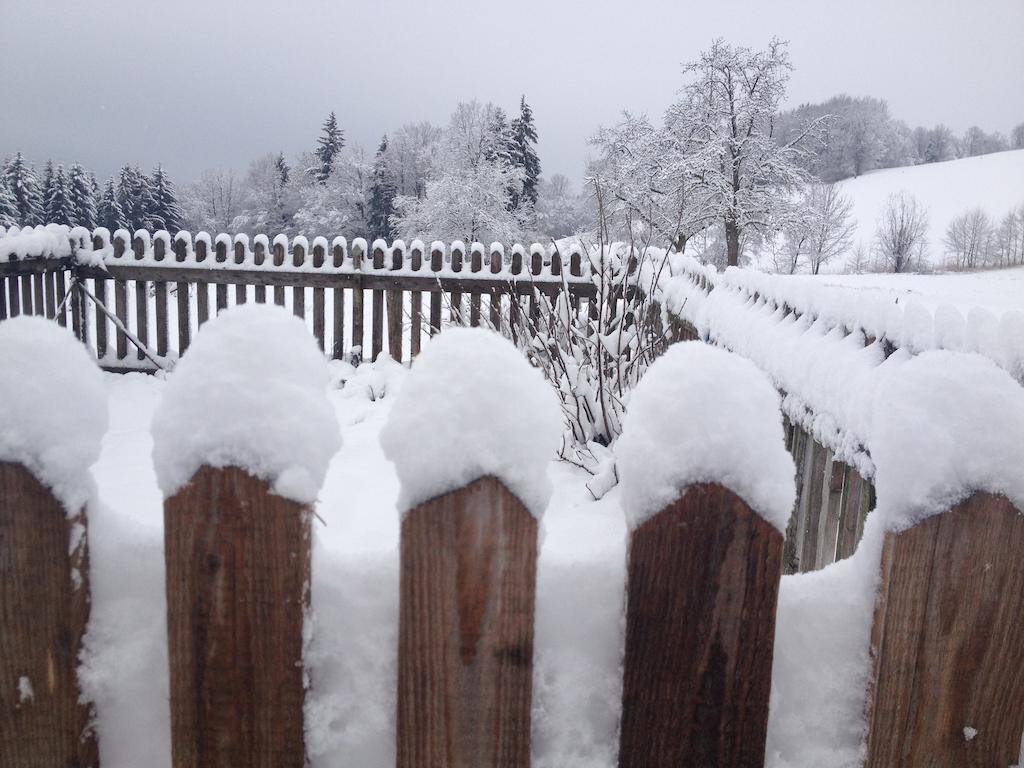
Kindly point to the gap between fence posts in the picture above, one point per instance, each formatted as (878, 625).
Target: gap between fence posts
(702, 586)
(466, 620)
(44, 594)
(238, 568)
(947, 645)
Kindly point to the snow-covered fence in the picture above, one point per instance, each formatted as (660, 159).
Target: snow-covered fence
(139, 300)
(239, 495)
(469, 550)
(53, 414)
(708, 489)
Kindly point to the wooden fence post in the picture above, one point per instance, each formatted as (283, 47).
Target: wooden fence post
(465, 644)
(703, 580)
(238, 568)
(947, 684)
(396, 304)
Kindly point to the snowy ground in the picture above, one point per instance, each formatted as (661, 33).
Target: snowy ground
(350, 717)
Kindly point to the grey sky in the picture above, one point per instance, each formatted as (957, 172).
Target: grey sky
(197, 84)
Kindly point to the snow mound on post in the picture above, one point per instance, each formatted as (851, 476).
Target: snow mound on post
(947, 424)
(472, 406)
(250, 392)
(53, 407)
(704, 415)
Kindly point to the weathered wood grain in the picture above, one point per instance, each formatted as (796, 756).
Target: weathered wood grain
(44, 609)
(947, 645)
(238, 568)
(703, 580)
(465, 658)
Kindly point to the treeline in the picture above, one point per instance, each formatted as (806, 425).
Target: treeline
(73, 197)
(860, 135)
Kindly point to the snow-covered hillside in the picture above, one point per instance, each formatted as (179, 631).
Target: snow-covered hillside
(993, 182)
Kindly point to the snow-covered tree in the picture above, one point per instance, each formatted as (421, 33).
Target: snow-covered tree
(382, 195)
(726, 120)
(269, 196)
(165, 201)
(830, 224)
(83, 200)
(57, 207)
(1017, 136)
(330, 143)
(23, 185)
(136, 200)
(560, 210)
(968, 240)
(976, 142)
(901, 236)
(524, 153)
(469, 196)
(213, 202)
(1009, 239)
(413, 151)
(8, 208)
(108, 211)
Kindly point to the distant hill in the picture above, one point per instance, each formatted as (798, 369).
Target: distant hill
(994, 182)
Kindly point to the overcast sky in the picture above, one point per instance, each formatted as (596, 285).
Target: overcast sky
(196, 84)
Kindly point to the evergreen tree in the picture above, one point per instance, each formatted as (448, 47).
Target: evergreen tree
(108, 211)
(23, 187)
(524, 156)
(136, 200)
(328, 146)
(58, 208)
(165, 201)
(283, 171)
(83, 201)
(383, 189)
(8, 208)
(500, 145)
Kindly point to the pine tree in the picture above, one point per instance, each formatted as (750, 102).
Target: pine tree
(58, 208)
(524, 156)
(23, 187)
(108, 212)
(8, 208)
(382, 194)
(83, 201)
(328, 146)
(500, 145)
(165, 201)
(136, 200)
(283, 171)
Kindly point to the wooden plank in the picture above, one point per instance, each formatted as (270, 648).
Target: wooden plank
(848, 537)
(61, 290)
(948, 652)
(494, 306)
(357, 309)
(50, 291)
(415, 322)
(396, 311)
(14, 298)
(44, 599)
(142, 314)
(457, 316)
(299, 292)
(184, 328)
(3, 297)
(318, 317)
(278, 261)
(465, 637)
(26, 295)
(828, 539)
(338, 253)
(238, 567)
(38, 294)
(240, 288)
(202, 303)
(121, 312)
(259, 257)
(160, 290)
(703, 580)
(221, 297)
(436, 301)
(813, 492)
(100, 292)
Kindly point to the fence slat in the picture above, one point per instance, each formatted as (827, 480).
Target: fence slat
(948, 652)
(703, 580)
(160, 289)
(357, 305)
(50, 293)
(121, 312)
(848, 531)
(142, 314)
(61, 290)
(44, 593)
(396, 311)
(3, 297)
(38, 294)
(339, 307)
(259, 257)
(831, 508)
(100, 291)
(238, 567)
(14, 299)
(465, 668)
(26, 295)
(299, 292)
(377, 322)
(813, 490)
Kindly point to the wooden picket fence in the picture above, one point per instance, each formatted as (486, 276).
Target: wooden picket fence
(702, 586)
(142, 306)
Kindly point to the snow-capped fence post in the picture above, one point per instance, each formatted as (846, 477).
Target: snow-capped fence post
(358, 256)
(415, 301)
(708, 488)
(469, 549)
(54, 414)
(377, 318)
(947, 681)
(338, 248)
(395, 304)
(237, 510)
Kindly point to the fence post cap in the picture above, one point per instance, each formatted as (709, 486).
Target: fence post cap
(53, 407)
(704, 415)
(250, 392)
(472, 406)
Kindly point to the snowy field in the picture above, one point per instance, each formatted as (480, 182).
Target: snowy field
(994, 183)
(350, 717)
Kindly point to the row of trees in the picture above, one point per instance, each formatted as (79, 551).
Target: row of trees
(73, 197)
(477, 178)
(974, 240)
(860, 135)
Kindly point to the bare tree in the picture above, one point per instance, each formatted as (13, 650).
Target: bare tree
(831, 224)
(901, 234)
(968, 240)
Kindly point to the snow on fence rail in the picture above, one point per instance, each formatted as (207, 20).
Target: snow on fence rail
(708, 488)
(141, 299)
(832, 352)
